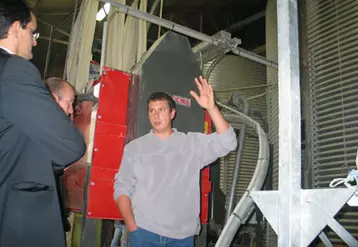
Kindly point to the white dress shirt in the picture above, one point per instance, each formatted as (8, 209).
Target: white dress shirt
(7, 50)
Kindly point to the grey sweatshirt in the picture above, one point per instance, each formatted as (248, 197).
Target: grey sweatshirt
(161, 177)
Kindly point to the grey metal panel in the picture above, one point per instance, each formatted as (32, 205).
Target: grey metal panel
(169, 66)
(235, 74)
(333, 55)
(272, 100)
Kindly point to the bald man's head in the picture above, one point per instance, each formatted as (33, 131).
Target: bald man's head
(63, 92)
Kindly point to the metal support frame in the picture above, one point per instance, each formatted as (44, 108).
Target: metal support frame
(296, 215)
(63, 42)
(68, 49)
(59, 30)
(191, 33)
(48, 54)
(53, 29)
(325, 240)
(104, 45)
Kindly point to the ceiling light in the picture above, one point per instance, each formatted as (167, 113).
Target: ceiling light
(103, 12)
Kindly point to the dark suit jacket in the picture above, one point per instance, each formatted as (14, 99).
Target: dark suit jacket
(34, 134)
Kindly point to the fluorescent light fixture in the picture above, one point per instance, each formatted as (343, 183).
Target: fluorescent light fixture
(103, 12)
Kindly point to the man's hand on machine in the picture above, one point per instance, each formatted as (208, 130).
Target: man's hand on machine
(206, 95)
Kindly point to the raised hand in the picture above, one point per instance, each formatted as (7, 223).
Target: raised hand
(206, 95)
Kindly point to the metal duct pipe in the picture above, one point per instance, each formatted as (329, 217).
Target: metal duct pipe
(189, 32)
(246, 205)
(237, 100)
(261, 117)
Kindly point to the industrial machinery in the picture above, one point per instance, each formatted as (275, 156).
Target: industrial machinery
(287, 209)
(121, 116)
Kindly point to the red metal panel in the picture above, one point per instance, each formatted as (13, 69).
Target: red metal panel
(101, 204)
(108, 144)
(205, 179)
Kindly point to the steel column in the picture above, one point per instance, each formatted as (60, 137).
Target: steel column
(296, 215)
(289, 124)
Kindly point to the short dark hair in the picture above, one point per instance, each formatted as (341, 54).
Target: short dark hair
(12, 11)
(55, 84)
(162, 96)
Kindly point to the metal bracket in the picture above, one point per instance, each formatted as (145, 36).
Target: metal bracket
(206, 52)
(317, 209)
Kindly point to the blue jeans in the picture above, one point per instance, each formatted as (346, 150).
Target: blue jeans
(144, 238)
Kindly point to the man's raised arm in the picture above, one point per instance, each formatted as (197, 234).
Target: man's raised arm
(219, 144)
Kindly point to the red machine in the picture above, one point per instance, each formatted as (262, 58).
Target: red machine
(109, 140)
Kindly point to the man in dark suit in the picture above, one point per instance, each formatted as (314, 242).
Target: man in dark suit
(35, 134)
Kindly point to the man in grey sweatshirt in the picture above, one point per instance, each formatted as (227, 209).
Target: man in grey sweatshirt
(157, 187)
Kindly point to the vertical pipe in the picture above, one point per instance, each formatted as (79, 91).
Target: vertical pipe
(48, 55)
(104, 45)
(213, 193)
(236, 100)
(289, 219)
